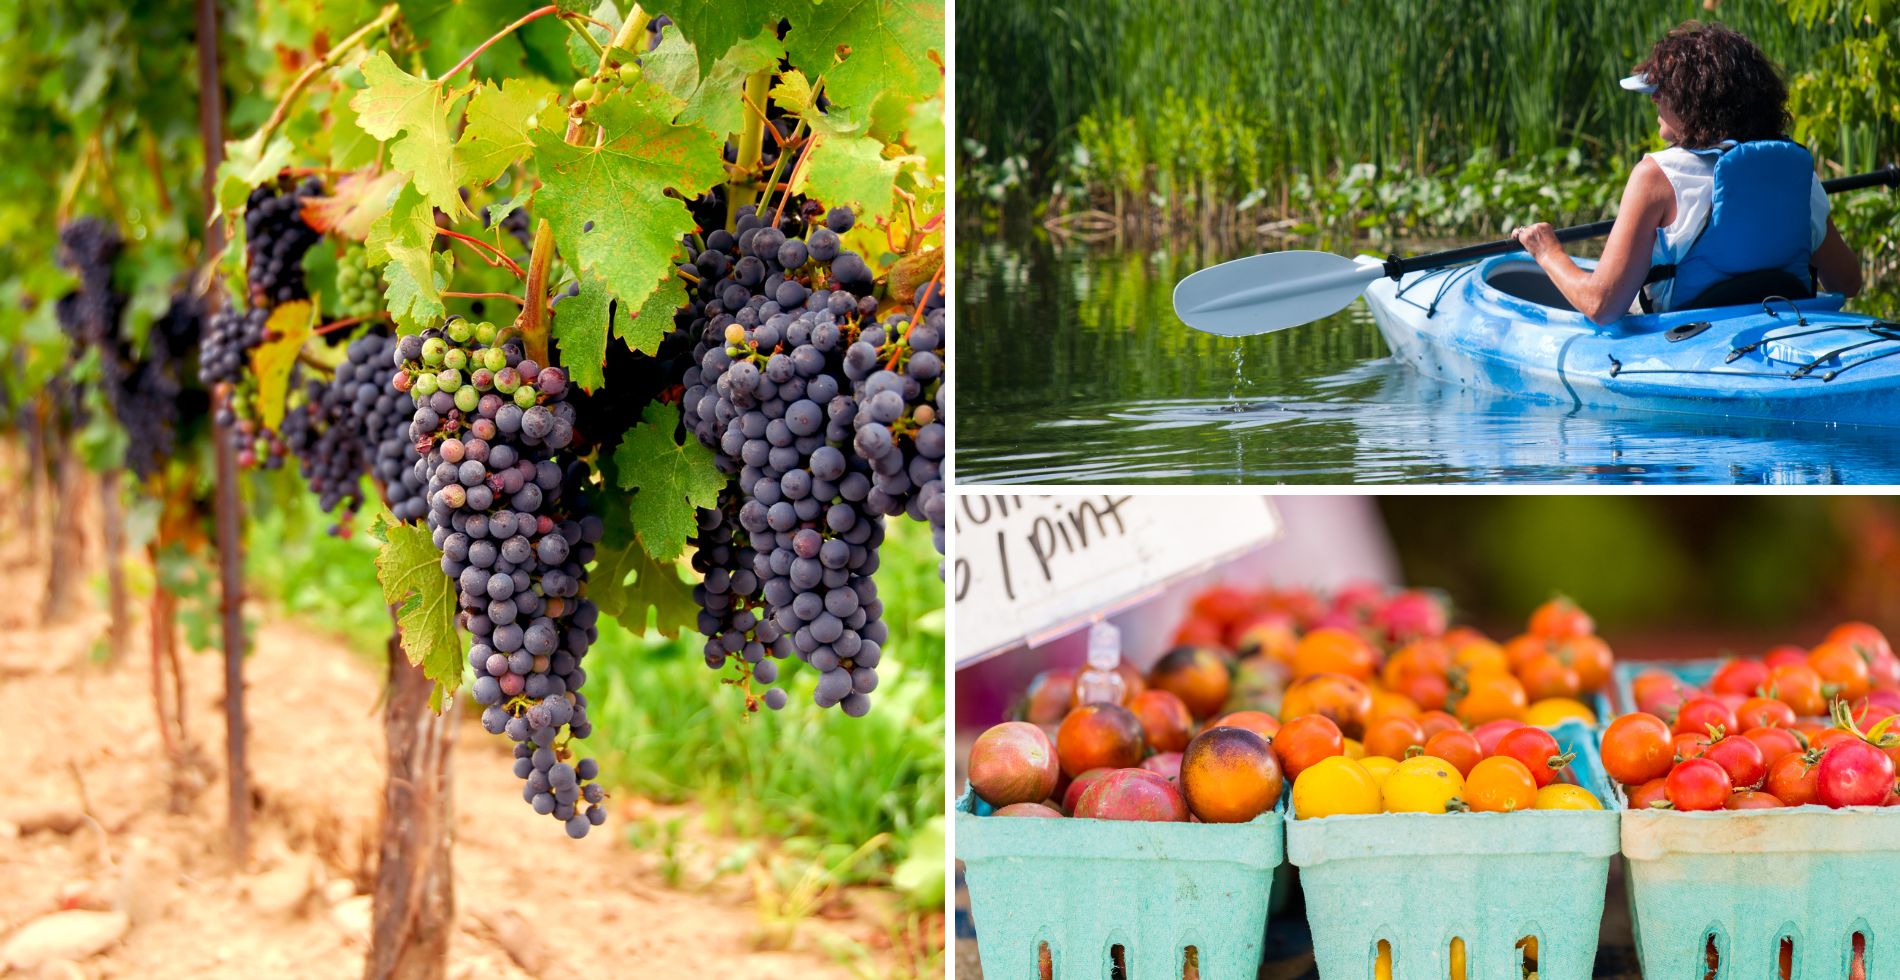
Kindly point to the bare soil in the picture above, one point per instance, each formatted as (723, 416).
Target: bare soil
(94, 814)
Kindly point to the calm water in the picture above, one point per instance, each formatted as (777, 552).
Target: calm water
(1071, 367)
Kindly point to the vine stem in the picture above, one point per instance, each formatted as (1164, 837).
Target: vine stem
(500, 259)
(922, 301)
(510, 297)
(343, 324)
(534, 309)
(751, 140)
(504, 32)
(329, 60)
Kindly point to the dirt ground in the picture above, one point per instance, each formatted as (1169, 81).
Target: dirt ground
(88, 821)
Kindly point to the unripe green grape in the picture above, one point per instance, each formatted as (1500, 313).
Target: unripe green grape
(584, 90)
(425, 385)
(466, 398)
(494, 359)
(485, 333)
(448, 379)
(456, 358)
(524, 396)
(459, 331)
(433, 349)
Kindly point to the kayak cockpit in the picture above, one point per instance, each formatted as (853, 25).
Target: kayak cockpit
(1526, 281)
(1514, 287)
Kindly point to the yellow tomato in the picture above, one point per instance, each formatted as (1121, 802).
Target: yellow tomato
(1563, 796)
(1355, 749)
(1379, 766)
(1551, 711)
(1422, 784)
(1332, 786)
(1482, 657)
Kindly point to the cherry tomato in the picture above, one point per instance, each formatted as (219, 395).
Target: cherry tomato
(1871, 643)
(1488, 733)
(1842, 668)
(1390, 704)
(1392, 736)
(1637, 748)
(1742, 759)
(1774, 742)
(1524, 648)
(1558, 796)
(1560, 618)
(1461, 749)
(1345, 700)
(1428, 691)
(1500, 785)
(1793, 779)
(1331, 650)
(1590, 657)
(1305, 740)
(1434, 722)
(1547, 676)
(1698, 714)
(1799, 686)
(1854, 774)
(1332, 786)
(1743, 677)
(1490, 697)
(1782, 656)
(1537, 749)
(1764, 712)
(1751, 799)
(1659, 692)
(1697, 784)
(1828, 738)
(1689, 745)
(1647, 795)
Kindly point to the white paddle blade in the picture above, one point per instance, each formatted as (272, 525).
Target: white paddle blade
(1264, 293)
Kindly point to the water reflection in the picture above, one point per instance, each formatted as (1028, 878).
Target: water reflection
(1072, 367)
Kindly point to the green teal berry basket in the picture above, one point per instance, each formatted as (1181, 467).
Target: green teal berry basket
(1417, 881)
(1086, 887)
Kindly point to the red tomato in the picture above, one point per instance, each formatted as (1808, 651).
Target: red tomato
(1689, 745)
(1647, 795)
(1537, 749)
(1560, 618)
(1637, 749)
(1742, 759)
(1698, 784)
(1792, 779)
(1659, 692)
(1698, 714)
(1774, 742)
(1783, 655)
(1392, 735)
(1764, 712)
(1488, 733)
(1854, 774)
(1461, 749)
(1743, 677)
(1305, 740)
(1871, 643)
(1828, 738)
(1751, 799)
(1434, 722)
(1809, 730)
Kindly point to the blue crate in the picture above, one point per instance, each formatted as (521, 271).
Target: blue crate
(1084, 887)
(1417, 881)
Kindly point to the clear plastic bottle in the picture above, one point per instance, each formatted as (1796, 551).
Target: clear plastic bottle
(1100, 680)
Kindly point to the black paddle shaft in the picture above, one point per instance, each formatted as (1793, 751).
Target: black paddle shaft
(1888, 176)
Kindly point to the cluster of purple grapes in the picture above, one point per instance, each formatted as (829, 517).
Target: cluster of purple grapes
(773, 310)
(354, 425)
(506, 508)
(275, 240)
(896, 372)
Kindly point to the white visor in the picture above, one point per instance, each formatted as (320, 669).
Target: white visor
(1639, 83)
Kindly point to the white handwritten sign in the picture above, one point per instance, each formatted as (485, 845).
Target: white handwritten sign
(1032, 567)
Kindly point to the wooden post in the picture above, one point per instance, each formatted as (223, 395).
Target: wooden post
(230, 543)
(413, 915)
(62, 568)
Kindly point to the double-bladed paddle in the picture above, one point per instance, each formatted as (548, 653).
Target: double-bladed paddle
(1277, 290)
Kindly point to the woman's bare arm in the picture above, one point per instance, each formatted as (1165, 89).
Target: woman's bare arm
(1836, 265)
(1605, 293)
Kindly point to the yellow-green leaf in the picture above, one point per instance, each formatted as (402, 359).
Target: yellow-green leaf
(851, 170)
(418, 109)
(500, 118)
(410, 570)
(271, 362)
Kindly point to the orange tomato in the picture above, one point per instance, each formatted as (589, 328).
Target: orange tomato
(1654, 791)
(1871, 643)
(1489, 697)
(1345, 700)
(1523, 649)
(1560, 618)
(1774, 742)
(1659, 692)
(1258, 722)
(1438, 721)
(1306, 740)
(1481, 657)
(1736, 676)
(1764, 713)
(1459, 748)
(1391, 704)
(1591, 658)
(1842, 668)
(1751, 799)
(1460, 636)
(1500, 784)
(1547, 676)
(1799, 686)
(1331, 650)
(1428, 691)
(1392, 736)
(1270, 635)
(1424, 656)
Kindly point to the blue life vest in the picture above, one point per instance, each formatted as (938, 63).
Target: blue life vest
(1759, 226)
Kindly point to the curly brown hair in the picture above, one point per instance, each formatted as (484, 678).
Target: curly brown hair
(1719, 83)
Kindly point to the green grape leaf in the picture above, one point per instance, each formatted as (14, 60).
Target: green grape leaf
(580, 54)
(795, 93)
(625, 582)
(500, 118)
(889, 41)
(672, 67)
(616, 187)
(402, 241)
(850, 170)
(350, 146)
(580, 331)
(715, 101)
(418, 109)
(643, 329)
(670, 481)
(248, 163)
(714, 26)
(271, 362)
(410, 570)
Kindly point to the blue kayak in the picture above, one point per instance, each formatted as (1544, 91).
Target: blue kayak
(1502, 325)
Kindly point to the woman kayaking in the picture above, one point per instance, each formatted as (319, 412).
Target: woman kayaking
(1730, 213)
